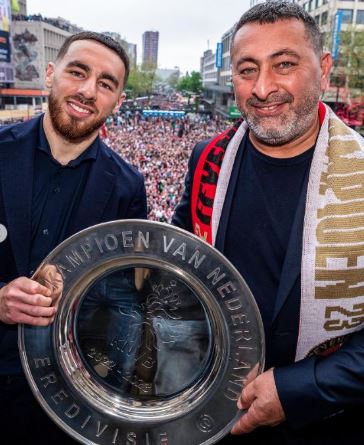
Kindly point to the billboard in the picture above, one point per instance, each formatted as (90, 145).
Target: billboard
(5, 51)
(6, 68)
(336, 34)
(219, 55)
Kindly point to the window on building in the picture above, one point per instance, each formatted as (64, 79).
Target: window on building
(310, 3)
(360, 17)
(305, 6)
(347, 16)
(317, 4)
(317, 19)
(324, 2)
(324, 18)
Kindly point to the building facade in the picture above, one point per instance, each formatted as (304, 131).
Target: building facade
(150, 48)
(130, 48)
(166, 74)
(132, 51)
(341, 89)
(324, 12)
(35, 44)
(218, 94)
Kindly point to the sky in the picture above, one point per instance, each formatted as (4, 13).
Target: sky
(186, 27)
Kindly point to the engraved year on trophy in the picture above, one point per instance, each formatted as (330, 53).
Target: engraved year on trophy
(155, 336)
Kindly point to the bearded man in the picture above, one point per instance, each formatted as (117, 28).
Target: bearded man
(281, 195)
(56, 178)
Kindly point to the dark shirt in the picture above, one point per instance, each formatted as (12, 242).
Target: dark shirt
(57, 189)
(265, 202)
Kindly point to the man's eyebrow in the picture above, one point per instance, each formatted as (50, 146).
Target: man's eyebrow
(285, 52)
(281, 52)
(246, 59)
(110, 77)
(78, 64)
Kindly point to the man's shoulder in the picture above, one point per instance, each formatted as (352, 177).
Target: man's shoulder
(19, 129)
(120, 164)
(199, 148)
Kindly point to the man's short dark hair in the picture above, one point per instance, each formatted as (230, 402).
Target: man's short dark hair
(273, 11)
(105, 40)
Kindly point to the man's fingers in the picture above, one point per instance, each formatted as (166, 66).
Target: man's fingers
(35, 311)
(19, 312)
(247, 423)
(25, 301)
(264, 407)
(35, 321)
(32, 299)
(247, 396)
(32, 287)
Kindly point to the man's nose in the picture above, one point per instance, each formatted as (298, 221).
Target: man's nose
(88, 88)
(265, 84)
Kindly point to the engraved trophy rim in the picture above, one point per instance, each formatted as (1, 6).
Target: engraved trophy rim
(57, 348)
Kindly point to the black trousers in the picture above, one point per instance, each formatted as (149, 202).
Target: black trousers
(23, 420)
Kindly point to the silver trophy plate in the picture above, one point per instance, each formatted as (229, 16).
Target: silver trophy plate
(155, 336)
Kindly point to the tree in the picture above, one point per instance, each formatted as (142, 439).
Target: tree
(348, 69)
(141, 81)
(190, 82)
(352, 57)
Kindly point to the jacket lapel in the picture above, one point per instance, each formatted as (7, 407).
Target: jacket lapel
(16, 167)
(99, 186)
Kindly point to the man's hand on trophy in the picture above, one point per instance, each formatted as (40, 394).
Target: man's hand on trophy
(49, 277)
(260, 399)
(23, 300)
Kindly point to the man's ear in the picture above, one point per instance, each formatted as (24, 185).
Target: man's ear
(326, 65)
(119, 102)
(50, 74)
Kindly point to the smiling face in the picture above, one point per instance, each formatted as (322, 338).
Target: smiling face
(85, 87)
(278, 79)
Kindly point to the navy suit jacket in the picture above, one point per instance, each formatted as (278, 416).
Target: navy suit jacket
(323, 397)
(114, 190)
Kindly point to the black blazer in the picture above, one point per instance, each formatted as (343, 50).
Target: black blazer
(114, 190)
(323, 398)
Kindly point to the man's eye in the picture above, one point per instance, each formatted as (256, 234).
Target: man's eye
(247, 72)
(76, 73)
(285, 65)
(105, 85)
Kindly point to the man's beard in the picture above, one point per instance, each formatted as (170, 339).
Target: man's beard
(289, 125)
(70, 128)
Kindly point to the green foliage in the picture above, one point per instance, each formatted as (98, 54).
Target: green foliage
(352, 52)
(190, 82)
(141, 81)
(348, 69)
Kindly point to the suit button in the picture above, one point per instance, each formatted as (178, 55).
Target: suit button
(3, 233)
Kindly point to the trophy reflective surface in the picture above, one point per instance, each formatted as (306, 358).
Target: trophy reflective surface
(155, 336)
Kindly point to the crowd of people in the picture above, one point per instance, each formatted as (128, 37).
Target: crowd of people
(160, 149)
(57, 22)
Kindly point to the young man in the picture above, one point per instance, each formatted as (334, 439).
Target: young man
(281, 195)
(57, 177)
